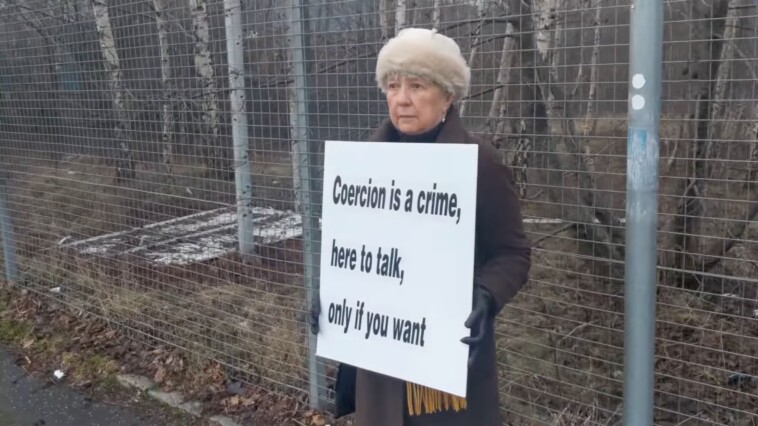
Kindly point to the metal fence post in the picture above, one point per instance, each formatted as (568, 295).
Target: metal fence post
(235, 47)
(304, 152)
(9, 239)
(645, 62)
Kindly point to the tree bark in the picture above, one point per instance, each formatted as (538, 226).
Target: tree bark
(204, 68)
(436, 14)
(596, 222)
(125, 164)
(508, 60)
(590, 122)
(481, 12)
(400, 15)
(293, 110)
(383, 21)
(753, 157)
(167, 133)
(708, 113)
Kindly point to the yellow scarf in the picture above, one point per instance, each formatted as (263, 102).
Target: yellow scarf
(432, 400)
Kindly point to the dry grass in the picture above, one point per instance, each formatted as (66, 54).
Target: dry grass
(245, 322)
(250, 320)
(560, 343)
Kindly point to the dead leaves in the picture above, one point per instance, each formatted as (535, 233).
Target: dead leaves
(235, 402)
(160, 375)
(318, 420)
(83, 345)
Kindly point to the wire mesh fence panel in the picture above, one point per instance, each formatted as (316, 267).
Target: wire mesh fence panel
(147, 141)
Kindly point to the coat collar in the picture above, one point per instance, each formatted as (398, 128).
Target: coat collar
(452, 130)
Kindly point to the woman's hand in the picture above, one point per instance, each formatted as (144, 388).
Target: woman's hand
(482, 312)
(315, 312)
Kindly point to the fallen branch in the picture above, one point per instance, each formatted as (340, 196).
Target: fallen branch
(552, 234)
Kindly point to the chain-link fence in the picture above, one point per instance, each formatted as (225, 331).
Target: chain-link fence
(134, 133)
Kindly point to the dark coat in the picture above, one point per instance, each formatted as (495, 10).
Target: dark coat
(502, 263)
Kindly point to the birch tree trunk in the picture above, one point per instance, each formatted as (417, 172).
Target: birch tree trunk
(598, 224)
(497, 124)
(709, 114)
(167, 133)
(534, 144)
(481, 12)
(204, 68)
(508, 59)
(436, 14)
(55, 54)
(293, 106)
(383, 21)
(125, 164)
(400, 15)
(590, 121)
(752, 172)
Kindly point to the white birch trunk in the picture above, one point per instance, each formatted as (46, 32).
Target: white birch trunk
(481, 12)
(599, 222)
(204, 68)
(124, 162)
(507, 62)
(400, 15)
(731, 26)
(590, 122)
(753, 155)
(384, 24)
(436, 14)
(167, 133)
(292, 104)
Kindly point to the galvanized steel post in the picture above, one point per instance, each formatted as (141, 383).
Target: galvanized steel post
(235, 48)
(6, 226)
(304, 153)
(645, 63)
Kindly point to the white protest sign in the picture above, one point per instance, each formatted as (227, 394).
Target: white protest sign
(397, 259)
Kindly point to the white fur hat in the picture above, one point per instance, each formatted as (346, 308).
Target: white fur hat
(428, 54)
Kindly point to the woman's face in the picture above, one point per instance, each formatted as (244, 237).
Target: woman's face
(415, 104)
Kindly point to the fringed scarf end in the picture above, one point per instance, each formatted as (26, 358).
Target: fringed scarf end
(431, 400)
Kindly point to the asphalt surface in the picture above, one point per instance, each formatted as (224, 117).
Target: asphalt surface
(26, 401)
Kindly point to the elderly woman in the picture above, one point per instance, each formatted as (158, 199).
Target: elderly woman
(422, 73)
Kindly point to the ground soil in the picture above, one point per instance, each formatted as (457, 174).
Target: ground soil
(46, 337)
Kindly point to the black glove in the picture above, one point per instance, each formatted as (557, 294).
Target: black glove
(482, 312)
(315, 312)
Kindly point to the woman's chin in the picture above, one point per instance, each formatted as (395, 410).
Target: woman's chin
(410, 130)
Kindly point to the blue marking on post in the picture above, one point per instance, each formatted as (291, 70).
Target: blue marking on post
(642, 159)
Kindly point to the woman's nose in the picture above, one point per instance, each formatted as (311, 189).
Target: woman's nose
(403, 96)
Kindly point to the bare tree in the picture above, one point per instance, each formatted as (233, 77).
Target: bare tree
(167, 133)
(590, 122)
(292, 95)
(53, 49)
(383, 21)
(709, 113)
(508, 60)
(400, 15)
(481, 12)
(436, 13)
(125, 164)
(596, 223)
(204, 68)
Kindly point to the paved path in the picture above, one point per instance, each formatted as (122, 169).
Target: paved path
(26, 401)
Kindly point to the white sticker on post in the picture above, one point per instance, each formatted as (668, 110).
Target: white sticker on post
(638, 102)
(638, 81)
